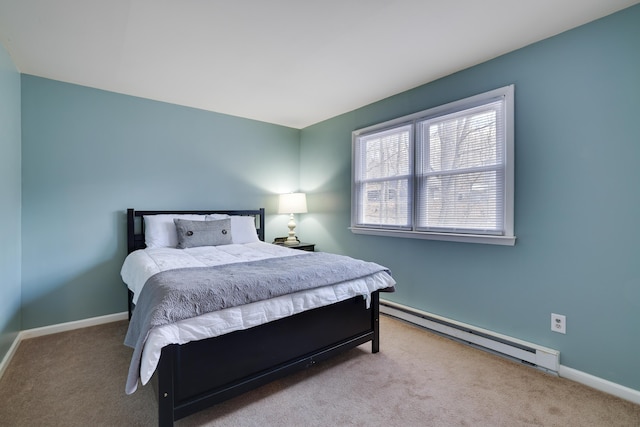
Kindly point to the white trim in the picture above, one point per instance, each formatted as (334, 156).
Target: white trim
(563, 371)
(69, 326)
(447, 237)
(7, 357)
(54, 329)
(600, 384)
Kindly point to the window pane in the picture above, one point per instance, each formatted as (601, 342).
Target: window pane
(385, 203)
(460, 171)
(462, 140)
(386, 154)
(459, 203)
(383, 178)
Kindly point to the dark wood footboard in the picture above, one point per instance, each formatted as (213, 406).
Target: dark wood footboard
(199, 374)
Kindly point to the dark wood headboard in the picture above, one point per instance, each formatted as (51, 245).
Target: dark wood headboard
(135, 223)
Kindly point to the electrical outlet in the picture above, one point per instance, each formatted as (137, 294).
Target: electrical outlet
(558, 323)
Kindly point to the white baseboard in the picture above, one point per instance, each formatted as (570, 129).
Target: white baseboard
(600, 384)
(562, 371)
(7, 357)
(54, 329)
(69, 326)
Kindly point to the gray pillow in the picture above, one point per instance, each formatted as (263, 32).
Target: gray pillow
(203, 233)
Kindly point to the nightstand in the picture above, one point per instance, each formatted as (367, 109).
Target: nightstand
(310, 247)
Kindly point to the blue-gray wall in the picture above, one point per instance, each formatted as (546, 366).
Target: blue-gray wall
(87, 155)
(577, 202)
(10, 202)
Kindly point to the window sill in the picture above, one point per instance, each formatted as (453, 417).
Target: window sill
(447, 237)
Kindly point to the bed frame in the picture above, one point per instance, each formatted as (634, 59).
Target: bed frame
(197, 375)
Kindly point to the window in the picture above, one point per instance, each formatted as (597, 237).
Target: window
(444, 173)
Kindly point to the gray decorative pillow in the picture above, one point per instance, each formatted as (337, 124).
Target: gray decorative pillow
(203, 233)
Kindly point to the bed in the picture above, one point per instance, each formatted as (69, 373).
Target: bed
(194, 367)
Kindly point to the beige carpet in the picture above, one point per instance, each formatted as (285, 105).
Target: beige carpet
(418, 379)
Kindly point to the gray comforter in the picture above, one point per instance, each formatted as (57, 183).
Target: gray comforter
(179, 294)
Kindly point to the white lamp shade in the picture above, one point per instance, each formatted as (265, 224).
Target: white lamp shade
(292, 203)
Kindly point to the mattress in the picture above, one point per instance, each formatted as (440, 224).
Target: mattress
(142, 264)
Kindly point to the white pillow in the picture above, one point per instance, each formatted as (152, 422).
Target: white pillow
(243, 228)
(160, 230)
(215, 217)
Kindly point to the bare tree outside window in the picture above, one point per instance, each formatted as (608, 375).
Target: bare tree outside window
(385, 176)
(460, 163)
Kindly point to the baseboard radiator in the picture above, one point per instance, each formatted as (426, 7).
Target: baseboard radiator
(532, 354)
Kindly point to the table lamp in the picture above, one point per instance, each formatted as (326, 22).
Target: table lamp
(292, 203)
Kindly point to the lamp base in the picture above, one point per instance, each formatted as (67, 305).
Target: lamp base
(293, 242)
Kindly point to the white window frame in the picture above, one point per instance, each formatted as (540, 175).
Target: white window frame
(507, 237)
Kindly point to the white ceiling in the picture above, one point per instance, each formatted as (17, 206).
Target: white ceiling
(289, 62)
